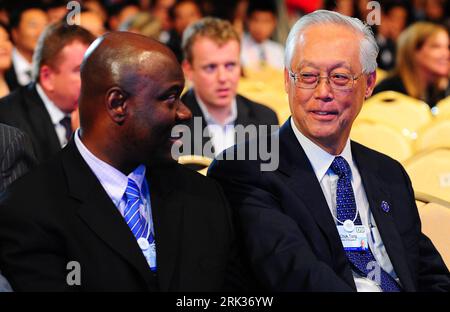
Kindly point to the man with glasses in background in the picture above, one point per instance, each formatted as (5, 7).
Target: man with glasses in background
(334, 215)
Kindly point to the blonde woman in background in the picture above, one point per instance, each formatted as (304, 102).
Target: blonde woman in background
(423, 66)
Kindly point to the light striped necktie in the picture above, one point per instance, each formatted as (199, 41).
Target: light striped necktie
(262, 56)
(132, 216)
(346, 210)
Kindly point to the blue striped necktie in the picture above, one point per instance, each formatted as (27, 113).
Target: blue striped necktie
(66, 122)
(133, 218)
(346, 210)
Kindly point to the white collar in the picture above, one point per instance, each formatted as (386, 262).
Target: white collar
(250, 41)
(55, 113)
(21, 64)
(113, 181)
(319, 158)
(210, 119)
(22, 68)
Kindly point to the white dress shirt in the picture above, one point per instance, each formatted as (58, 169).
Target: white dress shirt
(251, 53)
(56, 115)
(22, 67)
(222, 135)
(321, 162)
(113, 181)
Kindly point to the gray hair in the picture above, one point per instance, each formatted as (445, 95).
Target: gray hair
(368, 47)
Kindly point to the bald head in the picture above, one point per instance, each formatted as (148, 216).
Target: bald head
(118, 59)
(130, 99)
(113, 58)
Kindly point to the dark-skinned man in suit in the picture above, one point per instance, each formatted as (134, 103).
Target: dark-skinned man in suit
(113, 204)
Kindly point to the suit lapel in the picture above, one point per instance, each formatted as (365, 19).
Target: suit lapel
(243, 112)
(11, 78)
(167, 210)
(191, 102)
(100, 214)
(377, 192)
(303, 182)
(40, 121)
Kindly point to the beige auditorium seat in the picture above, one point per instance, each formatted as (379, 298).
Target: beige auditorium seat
(268, 75)
(397, 110)
(434, 134)
(435, 217)
(382, 138)
(381, 74)
(420, 203)
(443, 109)
(196, 162)
(267, 90)
(430, 172)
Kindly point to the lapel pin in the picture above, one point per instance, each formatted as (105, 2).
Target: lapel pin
(385, 206)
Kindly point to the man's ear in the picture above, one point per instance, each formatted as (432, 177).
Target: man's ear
(371, 80)
(46, 78)
(116, 104)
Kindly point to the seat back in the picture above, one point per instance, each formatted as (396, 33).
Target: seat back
(381, 74)
(196, 162)
(434, 134)
(382, 138)
(443, 108)
(435, 217)
(266, 87)
(397, 110)
(430, 172)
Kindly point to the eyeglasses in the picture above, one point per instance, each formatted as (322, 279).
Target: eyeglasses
(337, 81)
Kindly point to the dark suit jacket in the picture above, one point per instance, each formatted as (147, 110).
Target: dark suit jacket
(11, 79)
(16, 155)
(248, 113)
(25, 110)
(16, 158)
(289, 233)
(66, 215)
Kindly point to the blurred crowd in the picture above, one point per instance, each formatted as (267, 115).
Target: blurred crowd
(402, 27)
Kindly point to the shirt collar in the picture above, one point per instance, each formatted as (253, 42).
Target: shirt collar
(319, 158)
(250, 41)
(210, 119)
(20, 63)
(22, 68)
(55, 113)
(113, 181)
